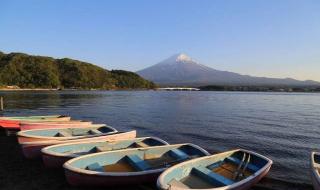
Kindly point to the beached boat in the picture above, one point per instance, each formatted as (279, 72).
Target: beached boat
(13, 123)
(30, 125)
(236, 170)
(129, 166)
(64, 133)
(35, 117)
(315, 170)
(33, 149)
(57, 155)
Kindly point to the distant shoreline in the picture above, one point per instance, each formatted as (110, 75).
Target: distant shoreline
(68, 89)
(202, 90)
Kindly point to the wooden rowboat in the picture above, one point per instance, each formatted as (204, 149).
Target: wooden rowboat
(129, 166)
(236, 170)
(35, 117)
(56, 155)
(32, 150)
(13, 123)
(59, 134)
(315, 170)
(30, 125)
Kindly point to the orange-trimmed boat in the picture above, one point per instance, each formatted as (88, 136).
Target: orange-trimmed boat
(13, 123)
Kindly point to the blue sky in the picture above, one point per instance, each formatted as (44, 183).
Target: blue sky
(273, 38)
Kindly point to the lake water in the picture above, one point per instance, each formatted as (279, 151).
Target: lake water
(283, 126)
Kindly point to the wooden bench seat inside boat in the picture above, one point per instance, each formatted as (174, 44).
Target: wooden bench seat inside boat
(94, 132)
(141, 144)
(102, 149)
(178, 154)
(78, 132)
(95, 167)
(212, 177)
(137, 162)
(62, 134)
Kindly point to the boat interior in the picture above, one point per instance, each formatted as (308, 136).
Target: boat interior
(136, 160)
(316, 158)
(94, 147)
(221, 172)
(70, 132)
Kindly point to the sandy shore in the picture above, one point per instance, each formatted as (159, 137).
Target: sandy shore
(17, 173)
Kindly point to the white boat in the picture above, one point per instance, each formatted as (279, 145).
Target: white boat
(237, 170)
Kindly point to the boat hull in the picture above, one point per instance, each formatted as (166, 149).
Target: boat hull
(51, 161)
(80, 180)
(46, 125)
(32, 150)
(10, 124)
(15, 124)
(253, 181)
(244, 186)
(315, 180)
(25, 138)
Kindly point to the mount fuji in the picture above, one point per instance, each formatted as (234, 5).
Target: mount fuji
(182, 70)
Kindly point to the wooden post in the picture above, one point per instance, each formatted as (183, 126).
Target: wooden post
(1, 103)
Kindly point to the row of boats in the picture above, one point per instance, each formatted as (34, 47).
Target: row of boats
(100, 155)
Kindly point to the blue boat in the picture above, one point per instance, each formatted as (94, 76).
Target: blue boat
(129, 166)
(56, 155)
(237, 170)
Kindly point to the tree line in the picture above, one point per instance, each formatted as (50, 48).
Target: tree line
(28, 71)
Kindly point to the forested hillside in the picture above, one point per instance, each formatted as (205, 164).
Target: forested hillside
(27, 71)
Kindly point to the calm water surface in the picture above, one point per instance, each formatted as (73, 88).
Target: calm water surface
(282, 126)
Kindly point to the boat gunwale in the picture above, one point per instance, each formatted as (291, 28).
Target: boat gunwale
(315, 167)
(269, 163)
(85, 139)
(38, 117)
(68, 166)
(54, 122)
(46, 150)
(23, 133)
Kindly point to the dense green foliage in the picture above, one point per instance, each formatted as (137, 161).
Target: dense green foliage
(28, 71)
(127, 79)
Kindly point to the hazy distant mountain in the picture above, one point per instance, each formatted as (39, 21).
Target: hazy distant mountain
(180, 69)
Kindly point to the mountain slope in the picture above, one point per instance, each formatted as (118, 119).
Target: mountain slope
(180, 69)
(29, 71)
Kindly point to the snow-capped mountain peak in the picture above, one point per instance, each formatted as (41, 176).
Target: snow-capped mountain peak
(180, 69)
(177, 58)
(183, 58)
